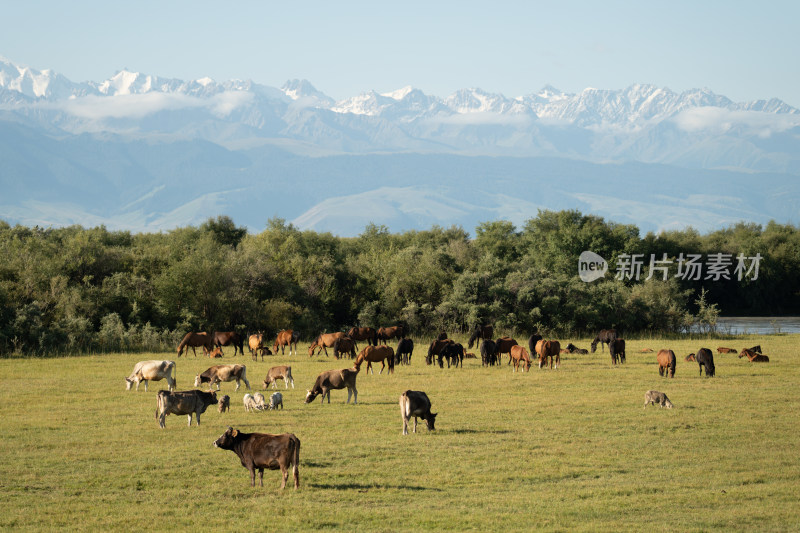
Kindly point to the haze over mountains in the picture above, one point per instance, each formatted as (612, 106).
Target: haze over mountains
(147, 153)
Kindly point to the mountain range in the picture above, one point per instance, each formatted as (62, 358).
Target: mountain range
(147, 153)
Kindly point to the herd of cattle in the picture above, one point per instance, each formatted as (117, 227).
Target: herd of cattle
(258, 451)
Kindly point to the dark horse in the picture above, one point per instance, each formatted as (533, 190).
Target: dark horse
(604, 337)
(532, 340)
(226, 338)
(489, 353)
(453, 353)
(364, 334)
(616, 348)
(705, 359)
(480, 333)
(405, 347)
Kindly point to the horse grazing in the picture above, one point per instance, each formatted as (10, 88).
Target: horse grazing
(489, 353)
(454, 353)
(604, 336)
(503, 345)
(375, 354)
(256, 344)
(193, 340)
(519, 354)
(666, 363)
(616, 348)
(227, 338)
(392, 332)
(364, 334)
(705, 359)
(480, 333)
(344, 345)
(689, 358)
(324, 341)
(436, 348)
(753, 357)
(405, 348)
(548, 349)
(286, 337)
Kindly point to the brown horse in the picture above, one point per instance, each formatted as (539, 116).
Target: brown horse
(480, 333)
(384, 334)
(753, 357)
(722, 349)
(666, 363)
(503, 345)
(286, 337)
(374, 354)
(256, 344)
(520, 354)
(324, 341)
(193, 340)
(551, 349)
(344, 345)
(689, 358)
(364, 334)
(436, 348)
(227, 338)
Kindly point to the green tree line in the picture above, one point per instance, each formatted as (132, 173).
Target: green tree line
(72, 289)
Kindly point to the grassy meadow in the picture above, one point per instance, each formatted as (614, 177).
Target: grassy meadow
(559, 450)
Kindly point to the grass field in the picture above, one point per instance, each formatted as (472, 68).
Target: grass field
(558, 450)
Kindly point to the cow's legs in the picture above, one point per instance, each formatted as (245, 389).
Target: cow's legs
(405, 423)
(284, 475)
(189, 416)
(415, 424)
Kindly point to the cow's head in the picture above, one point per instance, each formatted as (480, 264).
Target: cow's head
(310, 395)
(668, 404)
(227, 439)
(197, 381)
(128, 383)
(430, 420)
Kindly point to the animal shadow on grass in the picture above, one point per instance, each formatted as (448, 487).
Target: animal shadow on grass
(360, 487)
(491, 431)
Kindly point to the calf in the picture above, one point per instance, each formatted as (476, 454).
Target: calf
(258, 451)
(151, 371)
(224, 404)
(653, 396)
(219, 373)
(416, 403)
(183, 403)
(258, 398)
(279, 372)
(275, 400)
(249, 403)
(334, 379)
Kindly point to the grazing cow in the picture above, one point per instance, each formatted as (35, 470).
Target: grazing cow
(480, 333)
(224, 404)
(616, 347)
(344, 345)
(364, 334)
(287, 337)
(489, 353)
(258, 451)
(228, 338)
(324, 341)
(256, 344)
(279, 372)
(258, 398)
(571, 348)
(249, 403)
(689, 358)
(653, 396)
(193, 340)
(218, 373)
(753, 357)
(705, 359)
(453, 353)
(183, 403)
(666, 363)
(604, 336)
(436, 348)
(721, 349)
(416, 403)
(334, 379)
(519, 354)
(405, 348)
(151, 371)
(275, 399)
(548, 349)
(503, 345)
(392, 332)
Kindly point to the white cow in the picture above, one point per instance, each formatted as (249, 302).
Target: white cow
(249, 403)
(259, 399)
(151, 371)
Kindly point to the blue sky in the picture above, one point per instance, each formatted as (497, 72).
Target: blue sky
(742, 49)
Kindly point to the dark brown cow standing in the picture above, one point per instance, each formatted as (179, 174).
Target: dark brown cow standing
(183, 403)
(258, 451)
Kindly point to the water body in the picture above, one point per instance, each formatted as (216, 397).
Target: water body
(758, 325)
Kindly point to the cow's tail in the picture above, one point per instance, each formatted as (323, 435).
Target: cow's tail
(296, 461)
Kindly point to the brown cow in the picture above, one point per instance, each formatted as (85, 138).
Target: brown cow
(364, 334)
(666, 363)
(218, 373)
(520, 354)
(548, 349)
(753, 357)
(373, 354)
(279, 372)
(324, 341)
(151, 371)
(224, 404)
(183, 403)
(726, 350)
(258, 451)
(193, 340)
(228, 338)
(392, 332)
(334, 379)
(287, 337)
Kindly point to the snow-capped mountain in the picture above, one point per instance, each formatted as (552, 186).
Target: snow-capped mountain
(53, 130)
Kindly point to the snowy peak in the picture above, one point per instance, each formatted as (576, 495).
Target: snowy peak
(303, 90)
